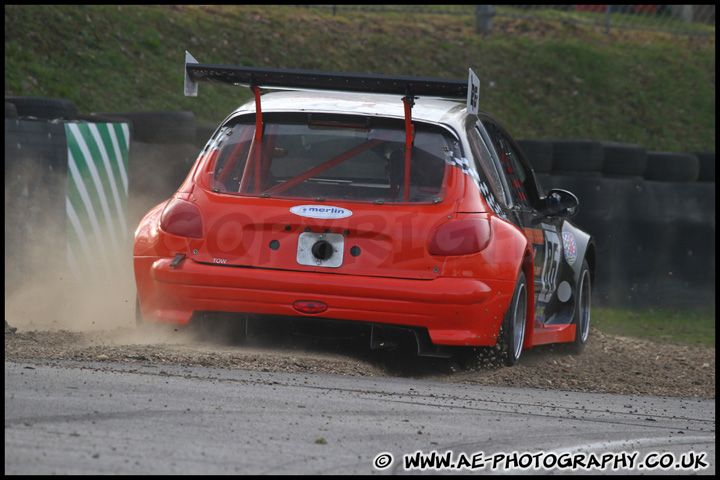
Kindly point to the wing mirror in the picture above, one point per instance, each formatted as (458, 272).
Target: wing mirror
(560, 203)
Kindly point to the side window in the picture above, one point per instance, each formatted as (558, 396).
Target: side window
(514, 170)
(485, 166)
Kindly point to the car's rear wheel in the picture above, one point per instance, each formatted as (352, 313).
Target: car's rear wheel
(512, 331)
(582, 310)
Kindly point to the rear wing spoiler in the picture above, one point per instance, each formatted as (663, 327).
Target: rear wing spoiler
(255, 77)
(409, 87)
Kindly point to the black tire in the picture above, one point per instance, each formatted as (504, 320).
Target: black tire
(512, 330)
(45, 108)
(707, 166)
(577, 156)
(672, 167)
(10, 110)
(624, 159)
(169, 127)
(93, 118)
(203, 134)
(539, 153)
(583, 306)
(580, 174)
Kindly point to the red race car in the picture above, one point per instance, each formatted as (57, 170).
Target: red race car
(381, 202)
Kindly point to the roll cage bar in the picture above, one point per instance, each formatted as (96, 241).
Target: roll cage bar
(409, 87)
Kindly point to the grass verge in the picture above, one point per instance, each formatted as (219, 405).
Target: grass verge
(542, 79)
(680, 327)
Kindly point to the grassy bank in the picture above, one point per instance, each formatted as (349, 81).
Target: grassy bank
(549, 80)
(670, 326)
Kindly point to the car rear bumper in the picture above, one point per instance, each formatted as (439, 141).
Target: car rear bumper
(455, 311)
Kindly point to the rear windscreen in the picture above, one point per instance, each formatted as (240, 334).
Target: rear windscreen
(331, 157)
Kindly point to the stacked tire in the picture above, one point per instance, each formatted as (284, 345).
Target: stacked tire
(164, 127)
(682, 188)
(40, 108)
(622, 160)
(651, 214)
(35, 185)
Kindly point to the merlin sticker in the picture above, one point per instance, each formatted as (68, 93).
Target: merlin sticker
(321, 211)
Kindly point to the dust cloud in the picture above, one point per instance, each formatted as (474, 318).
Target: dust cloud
(44, 289)
(54, 300)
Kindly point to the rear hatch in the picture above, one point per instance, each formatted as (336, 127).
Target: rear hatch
(361, 239)
(326, 193)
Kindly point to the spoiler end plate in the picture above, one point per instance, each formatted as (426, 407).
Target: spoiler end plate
(191, 86)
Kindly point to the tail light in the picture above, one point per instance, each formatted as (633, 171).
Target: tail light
(181, 218)
(461, 237)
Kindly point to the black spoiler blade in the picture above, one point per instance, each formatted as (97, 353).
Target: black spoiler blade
(315, 80)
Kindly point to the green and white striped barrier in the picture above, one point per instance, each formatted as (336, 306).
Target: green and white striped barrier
(96, 201)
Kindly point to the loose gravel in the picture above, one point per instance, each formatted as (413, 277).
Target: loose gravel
(609, 364)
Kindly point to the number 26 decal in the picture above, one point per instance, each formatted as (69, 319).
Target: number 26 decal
(551, 264)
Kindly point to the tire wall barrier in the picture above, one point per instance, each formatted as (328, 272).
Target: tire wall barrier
(66, 192)
(77, 185)
(35, 189)
(652, 214)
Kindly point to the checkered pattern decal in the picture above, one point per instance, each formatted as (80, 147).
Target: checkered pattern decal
(464, 165)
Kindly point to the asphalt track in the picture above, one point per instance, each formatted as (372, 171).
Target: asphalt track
(115, 418)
